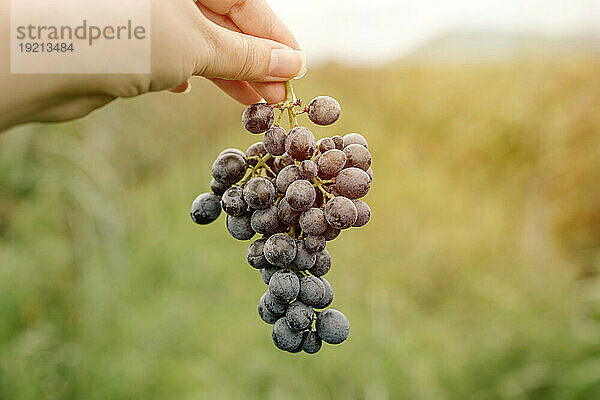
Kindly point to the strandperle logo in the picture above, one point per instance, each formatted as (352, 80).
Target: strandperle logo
(85, 31)
(80, 36)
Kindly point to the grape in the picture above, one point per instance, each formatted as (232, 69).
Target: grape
(274, 305)
(217, 187)
(300, 195)
(311, 343)
(259, 193)
(308, 169)
(285, 338)
(354, 138)
(370, 173)
(258, 117)
(340, 212)
(300, 143)
(239, 227)
(325, 144)
(229, 168)
(327, 296)
(265, 221)
(322, 263)
(274, 140)
(287, 176)
(233, 151)
(255, 255)
(357, 156)
(324, 110)
(312, 221)
(331, 233)
(280, 249)
(265, 314)
(331, 162)
(267, 273)
(299, 316)
(338, 141)
(205, 208)
(256, 150)
(233, 202)
(314, 244)
(283, 161)
(304, 259)
(286, 213)
(353, 183)
(364, 213)
(332, 326)
(284, 285)
(312, 290)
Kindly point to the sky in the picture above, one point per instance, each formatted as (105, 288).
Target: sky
(373, 31)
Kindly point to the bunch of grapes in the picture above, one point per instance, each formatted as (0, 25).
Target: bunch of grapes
(298, 194)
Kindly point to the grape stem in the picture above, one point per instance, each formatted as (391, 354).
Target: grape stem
(289, 103)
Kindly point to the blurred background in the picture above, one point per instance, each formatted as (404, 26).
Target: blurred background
(477, 278)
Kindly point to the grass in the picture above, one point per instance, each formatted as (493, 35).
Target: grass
(476, 279)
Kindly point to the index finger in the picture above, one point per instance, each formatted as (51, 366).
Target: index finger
(254, 17)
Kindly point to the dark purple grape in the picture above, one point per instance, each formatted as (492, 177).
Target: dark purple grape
(308, 169)
(331, 233)
(338, 141)
(283, 161)
(256, 150)
(280, 249)
(275, 305)
(332, 326)
(274, 140)
(355, 138)
(264, 313)
(255, 255)
(286, 176)
(314, 244)
(299, 316)
(357, 156)
(233, 151)
(325, 144)
(267, 273)
(364, 213)
(217, 187)
(265, 221)
(311, 343)
(312, 221)
(370, 173)
(340, 212)
(286, 214)
(284, 285)
(258, 117)
(205, 209)
(300, 143)
(353, 183)
(304, 259)
(233, 202)
(229, 168)
(259, 193)
(331, 163)
(239, 227)
(327, 296)
(300, 195)
(285, 338)
(324, 110)
(322, 263)
(312, 290)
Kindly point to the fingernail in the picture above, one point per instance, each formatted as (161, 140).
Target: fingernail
(286, 64)
(188, 89)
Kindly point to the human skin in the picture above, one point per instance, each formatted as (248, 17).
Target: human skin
(240, 45)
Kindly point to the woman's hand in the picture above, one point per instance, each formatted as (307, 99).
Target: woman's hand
(240, 45)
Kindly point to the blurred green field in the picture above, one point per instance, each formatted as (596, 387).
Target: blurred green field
(477, 277)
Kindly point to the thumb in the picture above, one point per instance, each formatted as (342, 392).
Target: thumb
(236, 56)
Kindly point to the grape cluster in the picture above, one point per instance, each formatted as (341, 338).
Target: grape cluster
(298, 194)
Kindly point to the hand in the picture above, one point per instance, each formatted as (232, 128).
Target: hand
(231, 42)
